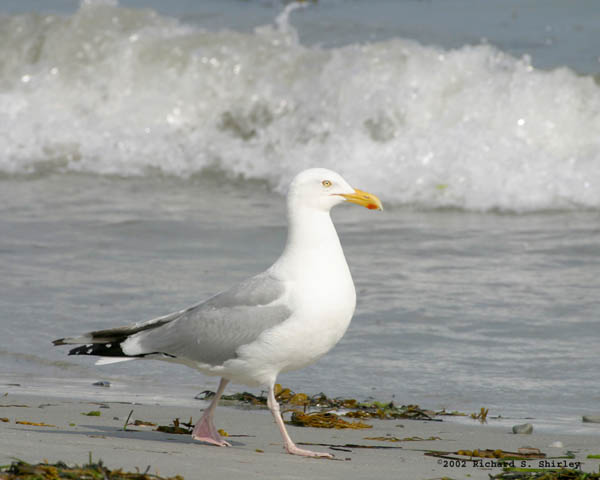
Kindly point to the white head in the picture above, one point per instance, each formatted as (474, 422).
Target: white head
(322, 189)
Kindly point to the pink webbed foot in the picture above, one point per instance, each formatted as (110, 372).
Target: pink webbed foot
(294, 450)
(205, 431)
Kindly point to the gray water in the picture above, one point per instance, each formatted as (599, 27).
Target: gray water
(144, 159)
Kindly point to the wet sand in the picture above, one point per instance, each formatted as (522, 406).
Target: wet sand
(257, 452)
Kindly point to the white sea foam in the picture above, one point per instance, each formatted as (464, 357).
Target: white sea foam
(117, 91)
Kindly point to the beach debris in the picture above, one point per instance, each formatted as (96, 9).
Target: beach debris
(242, 397)
(20, 470)
(92, 413)
(34, 424)
(521, 454)
(557, 444)
(299, 399)
(525, 429)
(181, 428)
(15, 405)
(390, 411)
(205, 395)
(323, 420)
(405, 439)
(515, 473)
(454, 413)
(127, 421)
(177, 427)
(591, 419)
(481, 416)
(143, 423)
(173, 429)
(282, 395)
(102, 383)
(4, 419)
(320, 401)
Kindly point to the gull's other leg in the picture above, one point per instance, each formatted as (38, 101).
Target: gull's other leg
(290, 447)
(205, 430)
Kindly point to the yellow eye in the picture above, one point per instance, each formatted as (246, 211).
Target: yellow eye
(326, 183)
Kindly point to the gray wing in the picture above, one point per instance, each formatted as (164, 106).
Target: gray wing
(211, 332)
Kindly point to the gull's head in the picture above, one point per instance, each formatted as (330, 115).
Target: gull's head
(322, 189)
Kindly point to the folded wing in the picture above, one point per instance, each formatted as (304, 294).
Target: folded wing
(209, 333)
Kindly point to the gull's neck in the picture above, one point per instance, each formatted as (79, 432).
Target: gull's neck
(312, 244)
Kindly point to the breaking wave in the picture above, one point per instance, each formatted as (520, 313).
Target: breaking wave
(128, 92)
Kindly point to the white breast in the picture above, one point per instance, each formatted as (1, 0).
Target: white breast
(320, 293)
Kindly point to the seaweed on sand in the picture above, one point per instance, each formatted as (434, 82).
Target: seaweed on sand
(477, 453)
(177, 427)
(391, 411)
(320, 401)
(391, 438)
(544, 474)
(20, 470)
(481, 416)
(323, 420)
(33, 424)
(180, 428)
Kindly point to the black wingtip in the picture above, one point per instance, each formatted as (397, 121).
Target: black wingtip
(111, 349)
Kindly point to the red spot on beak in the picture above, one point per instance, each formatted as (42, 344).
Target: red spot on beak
(372, 206)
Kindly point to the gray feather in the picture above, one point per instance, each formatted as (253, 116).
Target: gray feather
(211, 332)
(118, 334)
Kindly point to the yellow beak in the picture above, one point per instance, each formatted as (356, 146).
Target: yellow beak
(365, 199)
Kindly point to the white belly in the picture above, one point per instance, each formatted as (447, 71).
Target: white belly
(323, 309)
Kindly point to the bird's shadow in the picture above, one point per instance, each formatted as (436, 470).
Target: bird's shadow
(103, 431)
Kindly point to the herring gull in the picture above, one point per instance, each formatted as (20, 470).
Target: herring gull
(282, 319)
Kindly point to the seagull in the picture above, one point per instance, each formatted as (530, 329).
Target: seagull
(282, 319)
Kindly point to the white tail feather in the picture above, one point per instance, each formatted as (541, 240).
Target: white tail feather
(109, 360)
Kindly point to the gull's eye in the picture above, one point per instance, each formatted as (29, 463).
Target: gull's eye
(326, 183)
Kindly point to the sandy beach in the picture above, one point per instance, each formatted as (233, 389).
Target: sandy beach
(257, 451)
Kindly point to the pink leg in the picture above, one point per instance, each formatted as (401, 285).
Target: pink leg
(290, 447)
(205, 430)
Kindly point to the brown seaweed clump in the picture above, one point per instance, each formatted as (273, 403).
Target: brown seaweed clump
(323, 420)
(177, 427)
(20, 470)
(320, 401)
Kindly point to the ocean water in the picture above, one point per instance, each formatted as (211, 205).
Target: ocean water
(145, 150)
